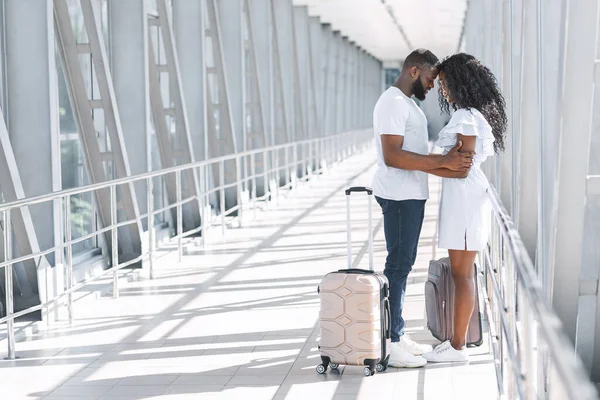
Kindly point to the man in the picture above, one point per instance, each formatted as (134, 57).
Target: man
(400, 186)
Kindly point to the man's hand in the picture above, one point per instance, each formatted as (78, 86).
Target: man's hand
(457, 161)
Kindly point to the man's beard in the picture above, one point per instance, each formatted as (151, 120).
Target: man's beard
(419, 89)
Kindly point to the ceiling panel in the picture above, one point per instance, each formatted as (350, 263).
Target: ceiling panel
(375, 25)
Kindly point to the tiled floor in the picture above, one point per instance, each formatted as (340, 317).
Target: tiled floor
(237, 320)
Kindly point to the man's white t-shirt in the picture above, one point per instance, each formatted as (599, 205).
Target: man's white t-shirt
(397, 114)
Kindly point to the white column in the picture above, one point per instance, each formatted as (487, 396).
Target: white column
(32, 118)
(283, 26)
(575, 292)
(303, 65)
(189, 30)
(260, 12)
(316, 47)
(526, 215)
(231, 23)
(504, 161)
(129, 67)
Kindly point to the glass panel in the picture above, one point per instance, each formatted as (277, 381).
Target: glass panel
(73, 169)
(76, 16)
(105, 26)
(158, 191)
(4, 97)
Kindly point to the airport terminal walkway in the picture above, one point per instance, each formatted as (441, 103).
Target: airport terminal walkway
(237, 320)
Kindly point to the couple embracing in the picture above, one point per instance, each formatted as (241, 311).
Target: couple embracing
(475, 131)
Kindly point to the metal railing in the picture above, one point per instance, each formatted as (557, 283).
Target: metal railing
(279, 170)
(534, 358)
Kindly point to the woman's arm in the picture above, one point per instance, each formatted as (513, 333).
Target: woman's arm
(468, 143)
(468, 146)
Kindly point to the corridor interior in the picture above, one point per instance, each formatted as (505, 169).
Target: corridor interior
(238, 318)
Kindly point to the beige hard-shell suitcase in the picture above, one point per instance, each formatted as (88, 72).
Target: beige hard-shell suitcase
(355, 316)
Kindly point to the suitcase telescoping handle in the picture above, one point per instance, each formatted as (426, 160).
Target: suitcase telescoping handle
(369, 192)
(359, 189)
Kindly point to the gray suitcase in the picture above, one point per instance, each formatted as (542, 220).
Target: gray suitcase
(354, 317)
(439, 304)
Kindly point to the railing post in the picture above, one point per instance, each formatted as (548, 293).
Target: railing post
(288, 175)
(114, 241)
(525, 311)
(303, 162)
(240, 184)
(329, 151)
(203, 205)
(295, 156)
(310, 160)
(320, 163)
(222, 193)
(253, 181)
(498, 302)
(266, 173)
(150, 198)
(511, 311)
(317, 162)
(179, 216)
(278, 177)
(245, 181)
(69, 259)
(10, 324)
(333, 150)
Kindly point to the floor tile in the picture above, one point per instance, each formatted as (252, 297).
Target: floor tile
(194, 389)
(202, 379)
(256, 380)
(160, 380)
(146, 390)
(238, 319)
(80, 390)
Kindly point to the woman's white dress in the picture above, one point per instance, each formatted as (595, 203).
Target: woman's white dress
(465, 209)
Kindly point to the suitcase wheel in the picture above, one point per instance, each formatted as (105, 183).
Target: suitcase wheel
(321, 369)
(368, 371)
(334, 366)
(380, 367)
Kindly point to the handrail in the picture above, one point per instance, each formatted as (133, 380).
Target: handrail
(524, 320)
(279, 169)
(27, 201)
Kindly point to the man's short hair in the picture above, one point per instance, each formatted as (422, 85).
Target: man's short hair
(420, 58)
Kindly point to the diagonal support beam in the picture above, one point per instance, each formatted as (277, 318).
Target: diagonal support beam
(22, 223)
(174, 149)
(129, 237)
(221, 124)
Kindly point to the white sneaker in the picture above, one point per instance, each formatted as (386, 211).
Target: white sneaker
(413, 347)
(446, 353)
(400, 358)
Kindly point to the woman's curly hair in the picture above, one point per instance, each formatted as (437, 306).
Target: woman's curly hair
(472, 85)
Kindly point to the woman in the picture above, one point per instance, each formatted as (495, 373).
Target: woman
(479, 122)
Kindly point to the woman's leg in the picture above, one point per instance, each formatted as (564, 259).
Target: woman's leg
(461, 262)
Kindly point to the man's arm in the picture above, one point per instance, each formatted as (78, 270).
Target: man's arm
(446, 173)
(395, 156)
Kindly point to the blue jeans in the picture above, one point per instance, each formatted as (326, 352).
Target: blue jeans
(402, 222)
